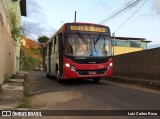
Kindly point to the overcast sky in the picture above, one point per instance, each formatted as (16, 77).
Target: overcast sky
(44, 17)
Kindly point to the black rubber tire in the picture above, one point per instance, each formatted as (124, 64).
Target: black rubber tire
(47, 75)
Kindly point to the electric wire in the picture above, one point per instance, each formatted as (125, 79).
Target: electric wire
(120, 11)
(131, 16)
(91, 9)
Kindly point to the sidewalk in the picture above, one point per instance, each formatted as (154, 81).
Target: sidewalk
(12, 92)
(153, 84)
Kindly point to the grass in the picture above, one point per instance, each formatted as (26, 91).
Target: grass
(6, 79)
(26, 92)
(1, 88)
(24, 104)
(25, 76)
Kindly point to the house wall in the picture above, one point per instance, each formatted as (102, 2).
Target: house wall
(7, 53)
(123, 50)
(8, 47)
(14, 6)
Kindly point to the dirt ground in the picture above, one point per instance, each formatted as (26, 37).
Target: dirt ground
(9, 98)
(49, 100)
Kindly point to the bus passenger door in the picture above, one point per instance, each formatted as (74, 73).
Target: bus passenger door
(61, 39)
(49, 58)
(44, 51)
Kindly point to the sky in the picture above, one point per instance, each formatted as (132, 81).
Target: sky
(45, 17)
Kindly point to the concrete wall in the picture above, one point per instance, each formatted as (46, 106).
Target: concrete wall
(14, 6)
(142, 64)
(7, 46)
(7, 53)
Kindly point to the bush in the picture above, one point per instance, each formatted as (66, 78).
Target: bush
(1, 88)
(30, 63)
(6, 79)
(24, 104)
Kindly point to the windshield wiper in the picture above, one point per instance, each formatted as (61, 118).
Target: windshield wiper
(95, 42)
(81, 37)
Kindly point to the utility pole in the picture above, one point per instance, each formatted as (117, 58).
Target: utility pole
(75, 15)
(113, 34)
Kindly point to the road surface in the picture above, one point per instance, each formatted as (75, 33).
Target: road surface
(46, 93)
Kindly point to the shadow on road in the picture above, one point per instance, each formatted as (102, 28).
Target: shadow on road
(38, 83)
(79, 82)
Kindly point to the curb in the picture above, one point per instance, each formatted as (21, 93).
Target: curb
(12, 87)
(153, 84)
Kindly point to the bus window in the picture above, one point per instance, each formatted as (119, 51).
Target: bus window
(50, 48)
(57, 39)
(53, 46)
(56, 44)
(47, 50)
(88, 45)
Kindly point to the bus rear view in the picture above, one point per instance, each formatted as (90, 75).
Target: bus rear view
(84, 52)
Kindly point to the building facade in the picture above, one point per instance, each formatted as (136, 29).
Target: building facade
(123, 45)
(9, 47)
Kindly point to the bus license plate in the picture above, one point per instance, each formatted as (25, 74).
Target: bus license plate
(92, 73)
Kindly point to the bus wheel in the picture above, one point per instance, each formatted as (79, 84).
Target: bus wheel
(59, 80)
(96, 80)
(47, 75)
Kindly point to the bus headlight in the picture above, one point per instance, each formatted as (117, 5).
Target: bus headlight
(110, 64)
(72, 68)
(67, 65)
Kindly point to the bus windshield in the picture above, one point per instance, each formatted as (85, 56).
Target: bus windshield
(88, 45)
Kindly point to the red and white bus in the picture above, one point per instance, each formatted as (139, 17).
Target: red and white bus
(79, 50)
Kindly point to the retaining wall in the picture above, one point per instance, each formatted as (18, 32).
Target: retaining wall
(142, 64)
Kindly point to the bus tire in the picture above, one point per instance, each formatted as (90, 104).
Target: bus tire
(47, 75)
(96, 80)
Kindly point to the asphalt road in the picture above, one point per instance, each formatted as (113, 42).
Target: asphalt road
(85, 95)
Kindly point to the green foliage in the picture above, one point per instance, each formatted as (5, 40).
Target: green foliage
(25, 76)
(16, 29)
(6, 79)
(24, 104)
(31, 59)
(42, 39)
(26, 91)
(35, 51)
(1, 88)
(30, 63)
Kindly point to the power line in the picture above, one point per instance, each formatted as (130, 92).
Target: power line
(91, 9)
(131, 16)
(120, 11)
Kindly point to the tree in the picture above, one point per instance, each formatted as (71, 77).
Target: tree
(42, 39)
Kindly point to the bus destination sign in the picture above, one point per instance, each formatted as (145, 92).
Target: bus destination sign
(90, 28)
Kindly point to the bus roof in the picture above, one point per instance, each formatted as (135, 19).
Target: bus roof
(63, 27)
